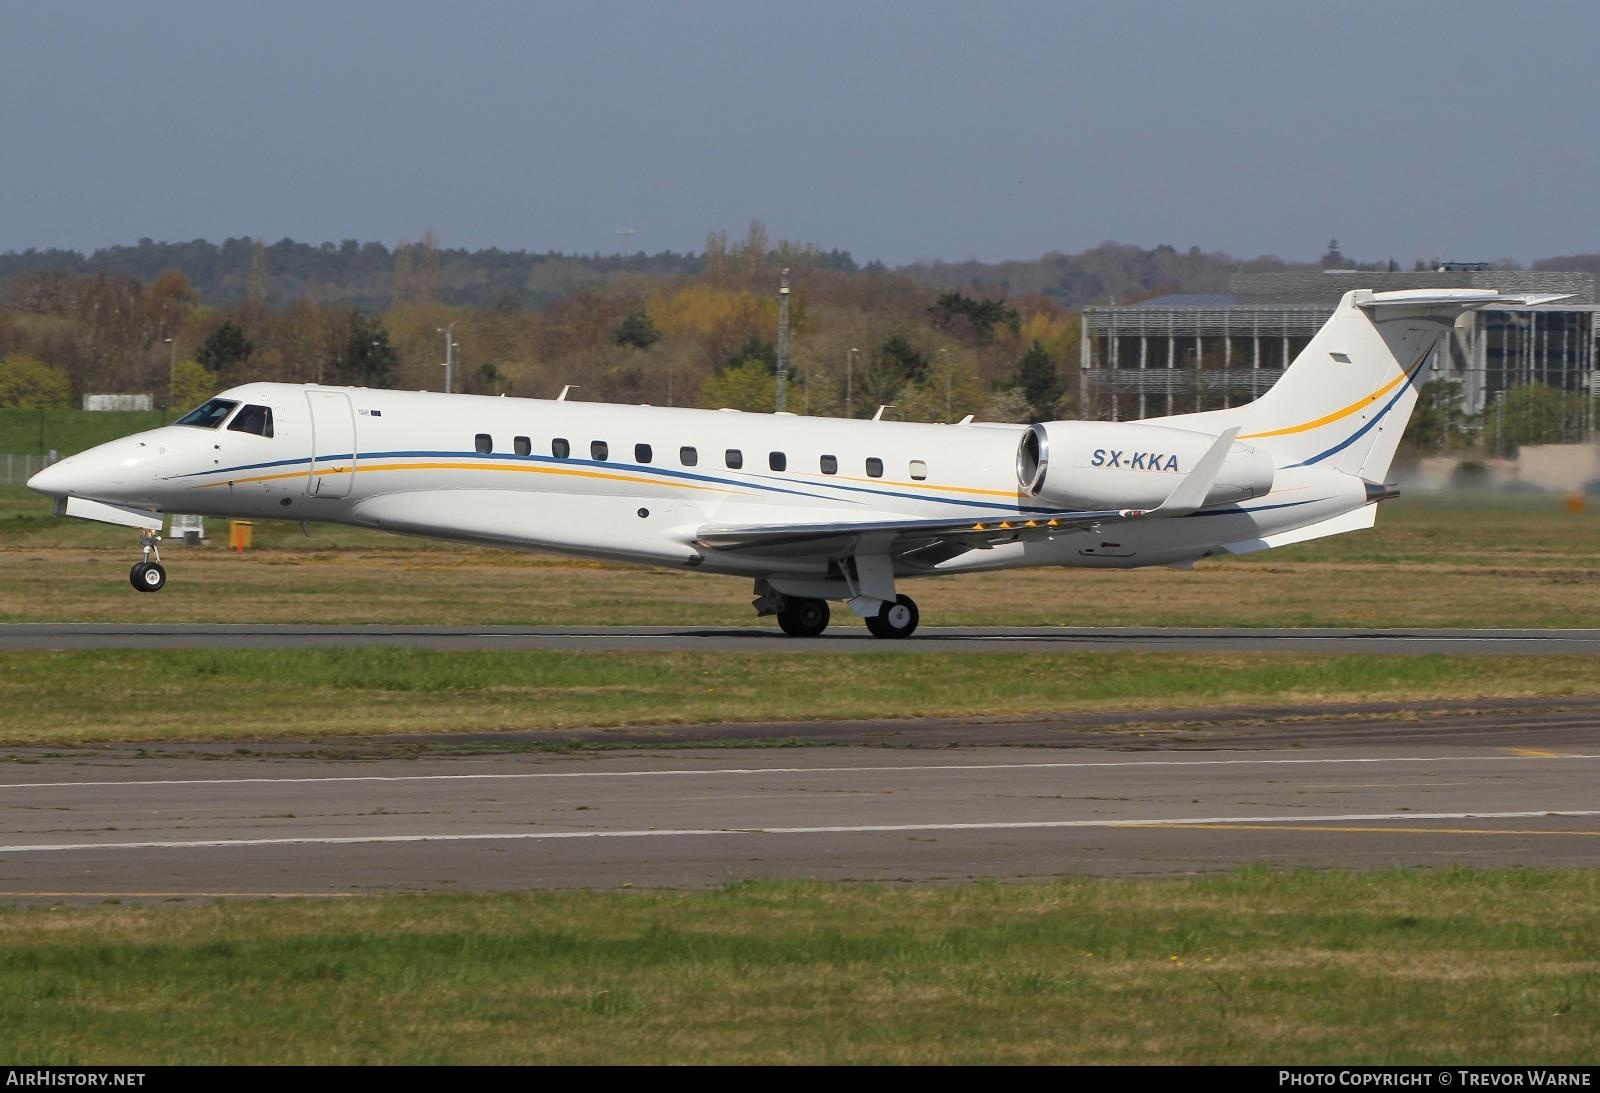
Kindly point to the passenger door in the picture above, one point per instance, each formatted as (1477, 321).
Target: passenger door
(333, 444)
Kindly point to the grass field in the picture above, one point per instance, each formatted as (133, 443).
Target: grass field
(68, 431)
(1414, 967)
(81, 698)
(1518, 562)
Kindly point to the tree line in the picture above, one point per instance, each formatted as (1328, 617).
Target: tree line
(700, 332)
(931, 341)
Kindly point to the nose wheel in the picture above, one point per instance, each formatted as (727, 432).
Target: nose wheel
(149, 575)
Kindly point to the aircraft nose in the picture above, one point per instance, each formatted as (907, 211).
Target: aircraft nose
(56, 480)
(103, 472)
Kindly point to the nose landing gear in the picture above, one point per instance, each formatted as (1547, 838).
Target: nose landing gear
(148, 575)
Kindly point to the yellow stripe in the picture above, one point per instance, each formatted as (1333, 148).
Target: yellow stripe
(367, 468)
(1336, 415)
(1535, 753)
(825, 479)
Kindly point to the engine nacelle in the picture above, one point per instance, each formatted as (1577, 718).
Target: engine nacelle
(1122, 465)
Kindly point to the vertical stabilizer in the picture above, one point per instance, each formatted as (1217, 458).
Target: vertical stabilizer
(1345, 400)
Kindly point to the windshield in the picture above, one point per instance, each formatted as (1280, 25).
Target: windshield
(208, 416)
(252, 419)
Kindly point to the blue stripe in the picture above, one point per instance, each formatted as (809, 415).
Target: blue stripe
(256, 466)
(1359, 433)
(628, 467)
(498, 457)
(990, 506)
(941, 498)
(1237, 510)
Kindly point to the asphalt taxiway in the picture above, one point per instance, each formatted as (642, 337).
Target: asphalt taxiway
(1512, 786)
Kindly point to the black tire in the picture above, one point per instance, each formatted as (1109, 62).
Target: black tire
(804, 618)
(895, 620)
(148, 577)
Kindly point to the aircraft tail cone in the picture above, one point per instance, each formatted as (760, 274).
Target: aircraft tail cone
(1377, 491)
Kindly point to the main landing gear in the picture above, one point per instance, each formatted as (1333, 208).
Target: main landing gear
(895, 620)
(803, 618)
(807, 618)
(148, 575)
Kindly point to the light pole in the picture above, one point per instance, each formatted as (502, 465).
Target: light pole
(849, 393)
(449, 352)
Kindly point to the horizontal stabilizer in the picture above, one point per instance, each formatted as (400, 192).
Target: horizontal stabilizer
(1355, 520)
(1454, 297)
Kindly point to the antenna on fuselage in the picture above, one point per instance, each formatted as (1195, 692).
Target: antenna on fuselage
(879, 415)
(562, 397)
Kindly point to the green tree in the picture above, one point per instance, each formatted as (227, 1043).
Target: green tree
(902, 359)
(744, 386)
(976, 319)
(368, 360)
(228, 345)
(1438, 424)
(29, 383)
(1036, 377)
(488, 379)
(755, 350)
(637, 330)
(192, 384)
(1531, 414)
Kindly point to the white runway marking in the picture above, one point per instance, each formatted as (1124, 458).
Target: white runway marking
(523, 836)
(708, 771)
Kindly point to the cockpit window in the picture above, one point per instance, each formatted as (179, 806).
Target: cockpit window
(252, 419)
(208, 416)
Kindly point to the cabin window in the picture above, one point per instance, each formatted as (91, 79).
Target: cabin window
(484, 443)
(599, 450)
(209, 414)
(919, 470)
(735, 458)
(688, 457)
(777, 461)
(874, 467)
(560, 448)
(522, 445)
(252, 419)
(642, 453)
(830, 464)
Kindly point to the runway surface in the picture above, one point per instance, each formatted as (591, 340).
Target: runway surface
(198, 821)
(843, 639)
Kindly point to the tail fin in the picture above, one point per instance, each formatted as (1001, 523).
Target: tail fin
(1345, 400)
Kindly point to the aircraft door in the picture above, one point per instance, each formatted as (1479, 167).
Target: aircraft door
(333, 444)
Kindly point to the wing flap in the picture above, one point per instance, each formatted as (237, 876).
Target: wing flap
(901, 536)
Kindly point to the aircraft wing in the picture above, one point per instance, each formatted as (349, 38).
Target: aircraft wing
(946, 537)
(932, 541)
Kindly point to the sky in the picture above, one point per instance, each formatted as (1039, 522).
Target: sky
(895, 130)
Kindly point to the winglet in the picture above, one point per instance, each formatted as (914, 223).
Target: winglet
(1192, 492)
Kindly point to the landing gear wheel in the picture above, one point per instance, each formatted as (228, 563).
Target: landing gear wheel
(148, 576)
(804, 618)
(895, 620)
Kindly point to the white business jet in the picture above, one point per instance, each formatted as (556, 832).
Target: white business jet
(814, 509)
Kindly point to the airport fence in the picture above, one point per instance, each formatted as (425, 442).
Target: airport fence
(16, 469)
